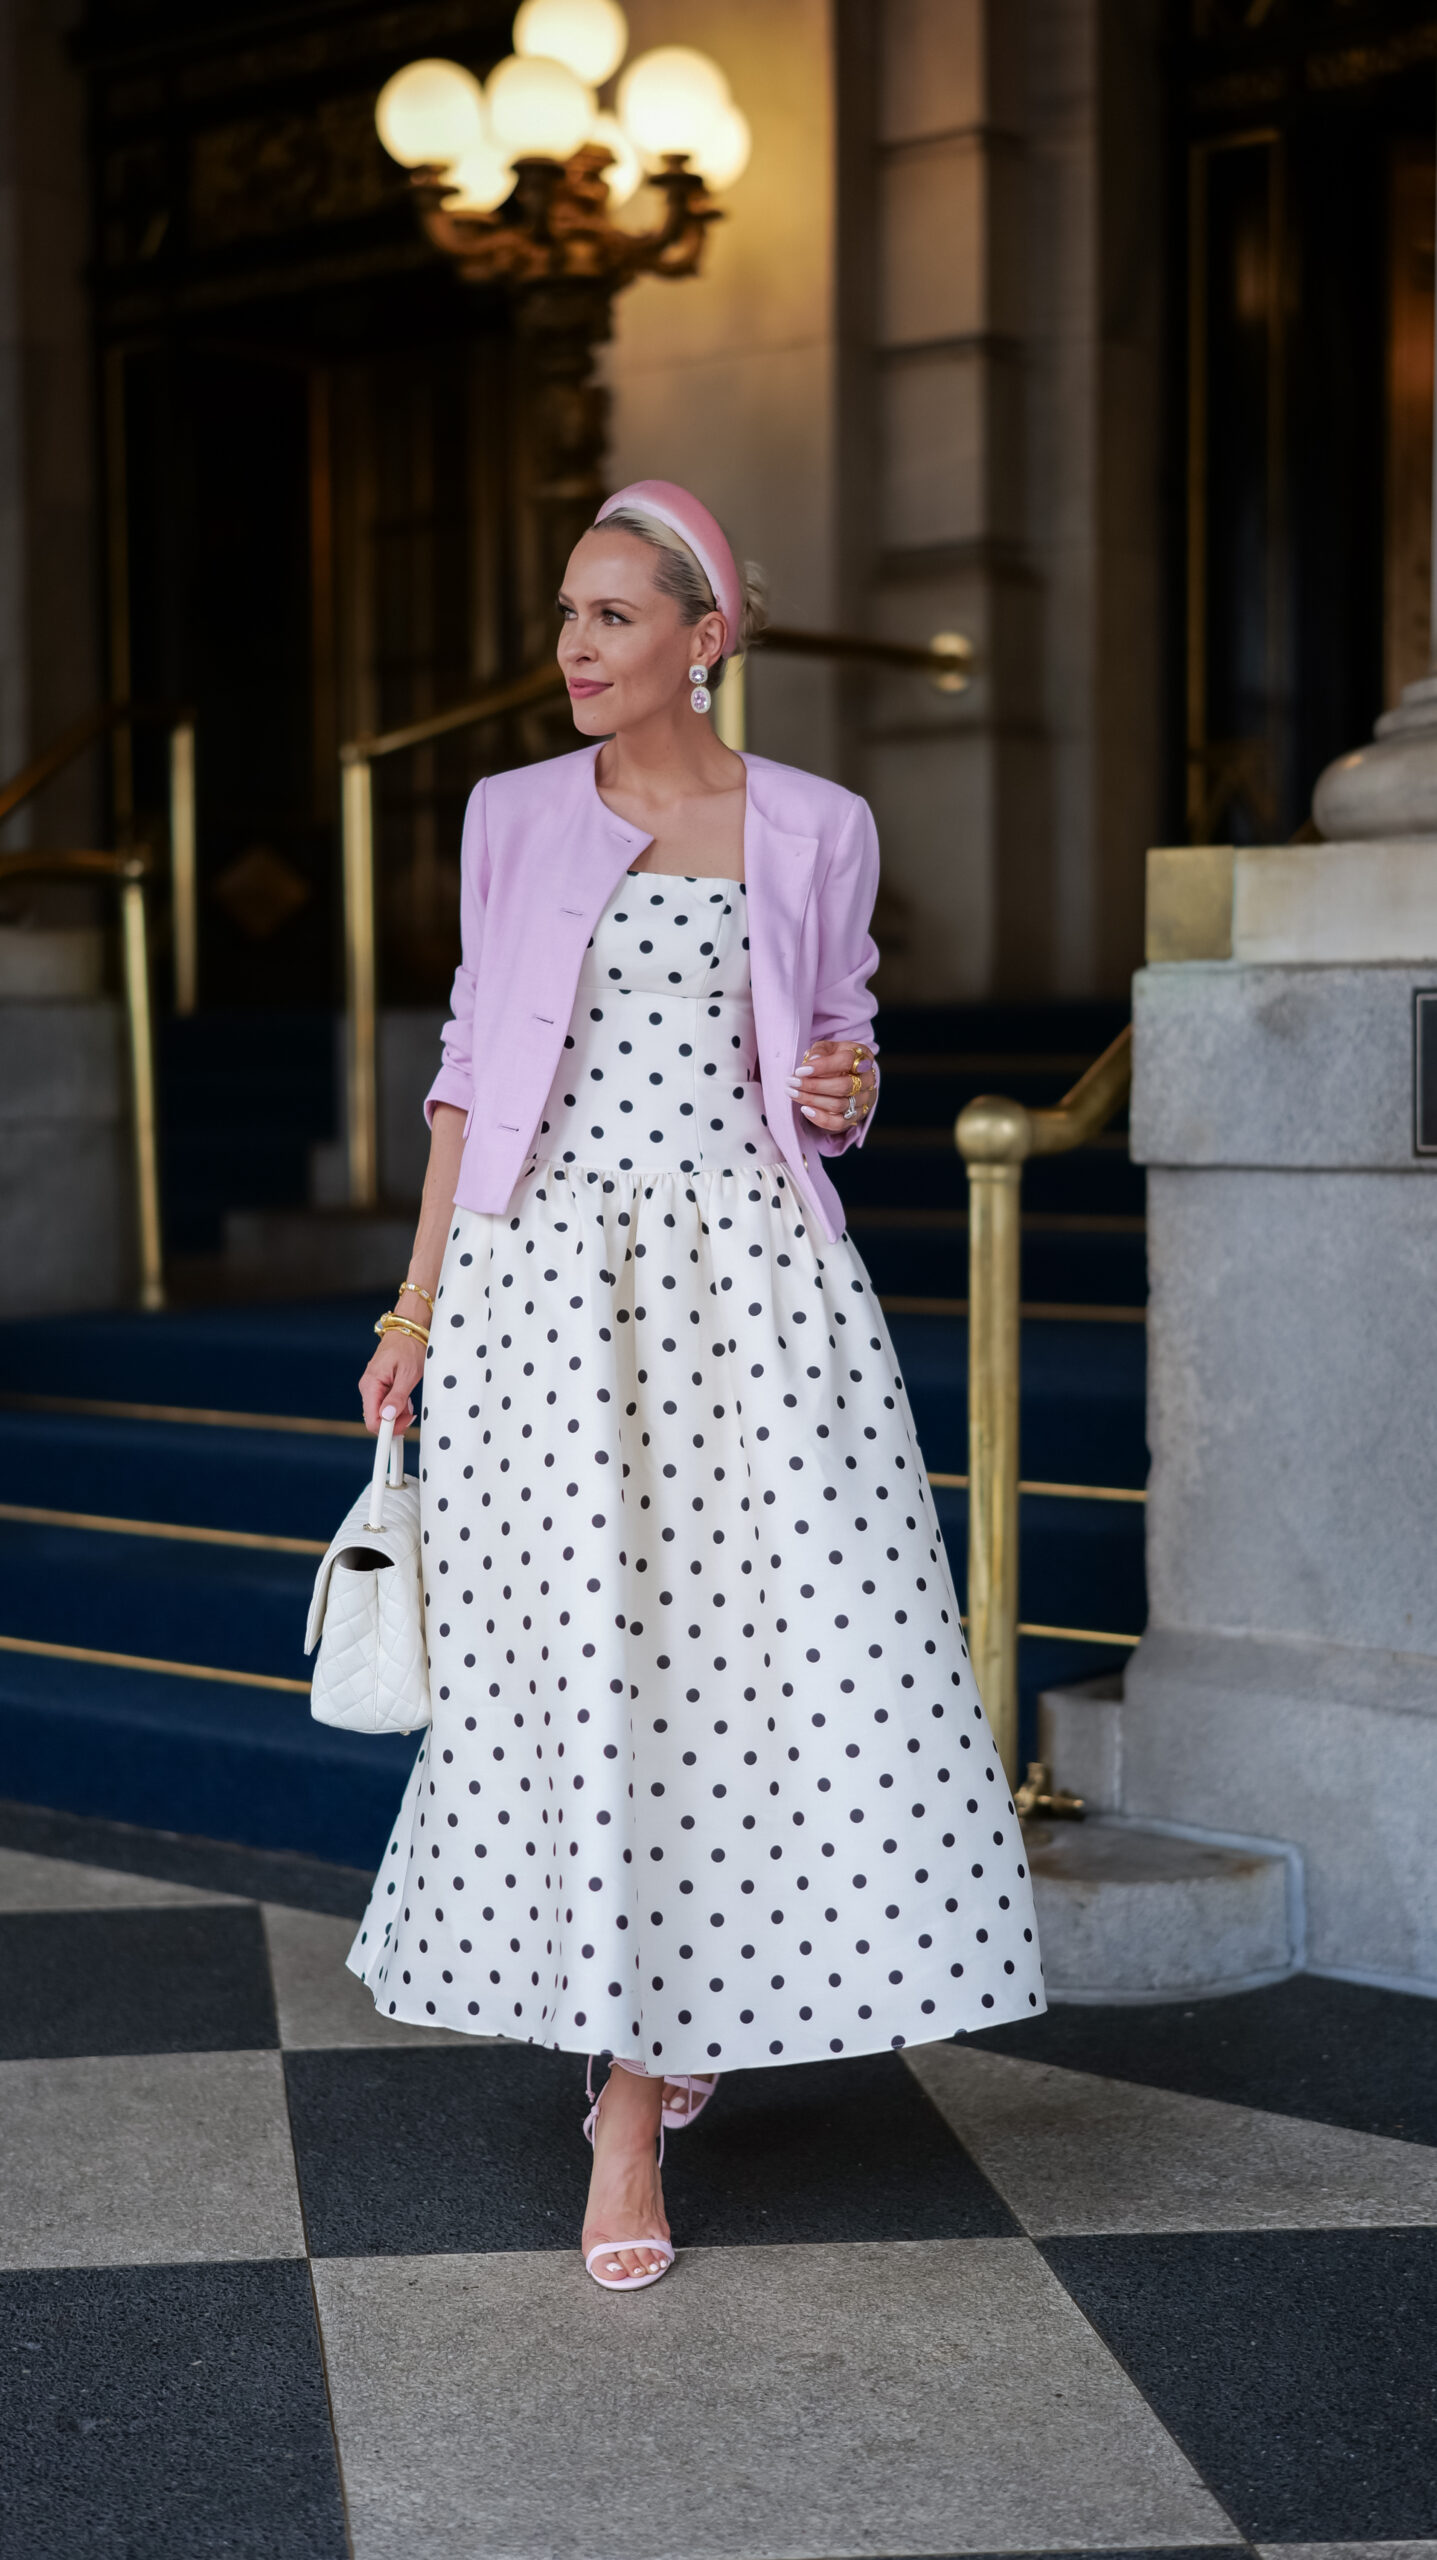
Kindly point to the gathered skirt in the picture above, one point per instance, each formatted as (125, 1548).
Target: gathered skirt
(708, 1782)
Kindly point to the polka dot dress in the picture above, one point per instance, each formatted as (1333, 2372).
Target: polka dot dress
(708, 1782)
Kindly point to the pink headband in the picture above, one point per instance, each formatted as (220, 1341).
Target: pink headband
(686, 516)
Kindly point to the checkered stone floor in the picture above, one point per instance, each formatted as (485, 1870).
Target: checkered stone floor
(283, 2281)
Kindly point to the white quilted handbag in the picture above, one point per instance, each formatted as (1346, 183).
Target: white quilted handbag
(367, 1613)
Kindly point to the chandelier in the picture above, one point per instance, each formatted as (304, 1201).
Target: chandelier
(520, 179)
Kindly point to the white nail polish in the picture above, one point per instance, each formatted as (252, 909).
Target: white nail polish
(808, 1111)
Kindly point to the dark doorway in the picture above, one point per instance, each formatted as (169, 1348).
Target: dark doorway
(1309, 399)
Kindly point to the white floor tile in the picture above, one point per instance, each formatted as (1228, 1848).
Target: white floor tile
(145, 2159)
(836, 2400)
(318, 2001)
(1072, 2152)
(28, 1883)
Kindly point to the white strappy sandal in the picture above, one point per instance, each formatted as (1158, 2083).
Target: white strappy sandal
(613, 2248)
(700, 2087)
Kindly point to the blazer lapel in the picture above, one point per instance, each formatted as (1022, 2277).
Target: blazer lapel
(778, 871)
(592, 851)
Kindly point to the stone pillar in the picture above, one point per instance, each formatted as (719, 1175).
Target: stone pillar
(1002, 461)
(1286, 1689)
(920, 379)
(727, 381)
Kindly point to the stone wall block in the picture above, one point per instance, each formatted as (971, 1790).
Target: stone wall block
(66, 1184)
(933, 235)
(1277, 1067)
(933, 434)
(1330, 1747)
(934, 66)
(62, 1062)
(66, 1218)
(1290, 1405)
(936, 799)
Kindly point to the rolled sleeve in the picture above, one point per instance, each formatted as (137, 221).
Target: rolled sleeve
(455, 1080)
(848, 956)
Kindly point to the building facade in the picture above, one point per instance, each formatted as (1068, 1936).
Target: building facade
(1094, 332)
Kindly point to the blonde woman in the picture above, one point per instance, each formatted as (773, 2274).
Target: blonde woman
(708, 1785)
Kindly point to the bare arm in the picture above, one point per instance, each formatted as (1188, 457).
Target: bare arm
(398, 1364)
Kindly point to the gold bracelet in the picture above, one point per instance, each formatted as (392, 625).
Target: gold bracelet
(412, 1288)
(401, 1324)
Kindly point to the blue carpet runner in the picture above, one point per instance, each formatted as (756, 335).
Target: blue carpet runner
(183, 1423)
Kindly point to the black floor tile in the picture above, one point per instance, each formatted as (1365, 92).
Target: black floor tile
(826, 2151)
(211, 1866)
(417, 2152)
(165, 2413)
(1333, 2051)
(192, 1980)
(1297, 2369)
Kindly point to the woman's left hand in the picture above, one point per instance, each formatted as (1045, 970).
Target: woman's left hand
(824, 1086)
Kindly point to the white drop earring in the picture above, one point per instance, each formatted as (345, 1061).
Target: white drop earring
(701, 697)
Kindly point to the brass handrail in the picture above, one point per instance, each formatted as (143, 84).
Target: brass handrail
(947, 657)
(131, 870)
(518, 694)
(995, 1137)
(184, 890)
(947, 660)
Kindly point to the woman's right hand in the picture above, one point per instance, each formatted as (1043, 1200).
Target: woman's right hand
(391, 1379)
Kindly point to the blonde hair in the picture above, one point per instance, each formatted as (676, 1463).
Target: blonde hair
(679, 573)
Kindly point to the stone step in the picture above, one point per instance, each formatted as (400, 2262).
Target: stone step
(1128, 1914)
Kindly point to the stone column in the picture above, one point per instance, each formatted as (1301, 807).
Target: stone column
(1287, 1686)
(1286, 1690)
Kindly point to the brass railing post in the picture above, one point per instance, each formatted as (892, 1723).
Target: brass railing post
(994, 1138)
(184, 884)
(135, 945)
(731, 707)
(361, 1020)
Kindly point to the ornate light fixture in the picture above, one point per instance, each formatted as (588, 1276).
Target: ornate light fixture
(519, 181)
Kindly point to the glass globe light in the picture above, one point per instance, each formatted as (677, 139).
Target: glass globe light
(430, 113)
(538, 109)
(625, 172)
(590, 36)
(482, 179)
(725, 155)
(672, 100)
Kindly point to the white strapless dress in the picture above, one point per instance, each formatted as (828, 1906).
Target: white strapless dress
(708, 1782)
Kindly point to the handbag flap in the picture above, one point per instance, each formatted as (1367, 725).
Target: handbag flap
(398, 1541)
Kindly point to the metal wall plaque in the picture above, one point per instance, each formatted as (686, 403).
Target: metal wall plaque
(1424, 1071)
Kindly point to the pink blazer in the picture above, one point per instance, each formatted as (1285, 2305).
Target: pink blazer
(541, 855)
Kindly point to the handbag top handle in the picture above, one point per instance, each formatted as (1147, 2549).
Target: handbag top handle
(388, 1468)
